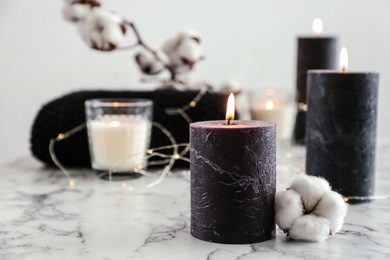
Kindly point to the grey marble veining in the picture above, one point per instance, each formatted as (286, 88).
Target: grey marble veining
(41, 217)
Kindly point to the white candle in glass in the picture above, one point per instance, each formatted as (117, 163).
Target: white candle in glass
(276, 108)
(119, 133)
(119, 142)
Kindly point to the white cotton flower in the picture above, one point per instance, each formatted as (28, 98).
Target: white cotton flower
(323, 210)
(188, 32)
(288, 208)
(102, 30)
(310, 228)
(311, 189)
(333, 208)
(183, 50)
(75, 12)
(170, 46)
(148, 63)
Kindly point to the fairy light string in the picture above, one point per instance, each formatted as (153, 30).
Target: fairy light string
(167, 159)
(60, 137)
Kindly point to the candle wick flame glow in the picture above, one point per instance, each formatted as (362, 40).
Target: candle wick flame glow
(269, 105)
(230, 108)
(317, 26)
(343, 59)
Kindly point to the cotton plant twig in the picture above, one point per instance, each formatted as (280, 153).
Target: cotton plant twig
(105, 31)
(141, 42)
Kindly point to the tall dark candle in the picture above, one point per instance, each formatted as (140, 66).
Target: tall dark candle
(313, 53)
(233, 178)
(341, 130)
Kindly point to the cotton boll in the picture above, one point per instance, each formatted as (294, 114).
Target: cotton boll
(333, 208)
(188, 32)
(189, 51)
(321, 183)
(148, 63)
(310, 228)
(107, 24)
(75, 12)
(183, 50)
(288, 208)
(171, 45)
(112, 35)
(95, 40)
(311, 189)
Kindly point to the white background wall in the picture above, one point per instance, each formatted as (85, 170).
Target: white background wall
(42, 57)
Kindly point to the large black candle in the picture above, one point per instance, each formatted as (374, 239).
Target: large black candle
(313, 53)
(341, 130)
(233, 181)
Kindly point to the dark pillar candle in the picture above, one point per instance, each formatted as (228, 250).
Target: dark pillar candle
(233, 178)
(341, 130)
(313, 53)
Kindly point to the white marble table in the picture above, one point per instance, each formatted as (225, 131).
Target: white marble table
(42, 217)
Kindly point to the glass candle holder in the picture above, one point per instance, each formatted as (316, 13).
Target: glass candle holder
(119, 133)
(274, 105)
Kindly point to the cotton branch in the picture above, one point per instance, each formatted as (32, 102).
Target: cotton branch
(105, 31)
(141, 42)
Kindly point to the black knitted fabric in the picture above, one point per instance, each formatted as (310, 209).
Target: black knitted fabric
(67, 112)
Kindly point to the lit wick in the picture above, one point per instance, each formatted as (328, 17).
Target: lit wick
(317, 26)
(343, 59)
(230, 109)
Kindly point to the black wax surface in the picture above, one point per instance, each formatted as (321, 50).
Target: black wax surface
(341, 130)
(313, 53)
(233, 179)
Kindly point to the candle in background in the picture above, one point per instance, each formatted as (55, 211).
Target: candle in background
(316, 52)
(233, 179)
(341, 128)
(119, 134)
(275, 106)
(114, 137)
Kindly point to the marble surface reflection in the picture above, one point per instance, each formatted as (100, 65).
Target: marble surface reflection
(42, 217)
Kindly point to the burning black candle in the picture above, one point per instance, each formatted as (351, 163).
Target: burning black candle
(341, 129)
(313, 53)
(233, 179)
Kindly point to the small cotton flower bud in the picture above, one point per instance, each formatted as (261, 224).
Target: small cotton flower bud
(310, 228)
(333, 208)
(102, 30)
(311, 189)
(188, 32)
(183, 50)
(189, 52)
(75, 12)
(288, 208)
(148, 63)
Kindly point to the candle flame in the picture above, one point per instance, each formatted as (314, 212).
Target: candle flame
(269, 105)
(115, 124)
(230, 108)
(317, 26)
(343, 59)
